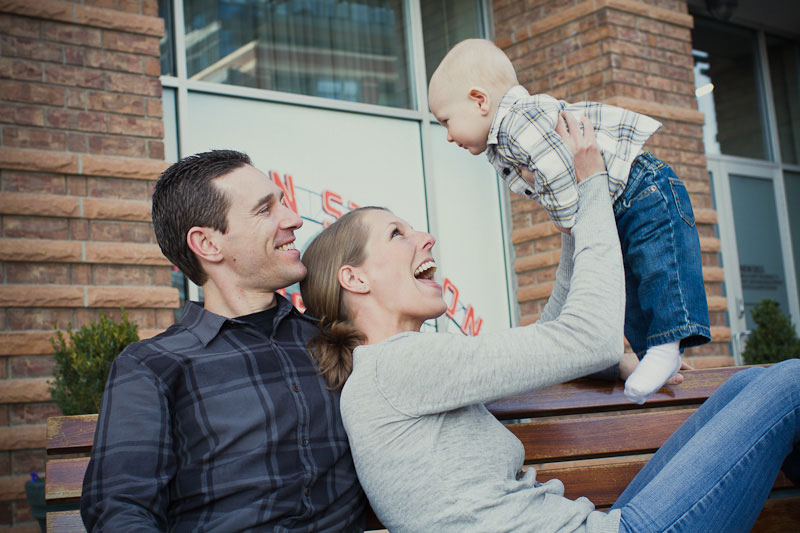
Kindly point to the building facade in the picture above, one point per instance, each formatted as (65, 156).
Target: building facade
(329, 98)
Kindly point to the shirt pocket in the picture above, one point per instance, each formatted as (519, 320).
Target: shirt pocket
(682, 202)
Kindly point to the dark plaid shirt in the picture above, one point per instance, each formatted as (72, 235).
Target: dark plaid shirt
(214, 426)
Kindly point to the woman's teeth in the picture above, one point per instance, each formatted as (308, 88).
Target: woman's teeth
(425, 270)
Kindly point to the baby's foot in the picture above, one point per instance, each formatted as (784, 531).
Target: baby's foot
(658, 365)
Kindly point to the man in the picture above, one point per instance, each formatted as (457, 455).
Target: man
(221, 423)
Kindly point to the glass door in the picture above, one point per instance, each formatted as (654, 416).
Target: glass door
(756, 244)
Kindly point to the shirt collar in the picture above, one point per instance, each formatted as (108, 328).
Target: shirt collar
(512, 95)
(206, 325)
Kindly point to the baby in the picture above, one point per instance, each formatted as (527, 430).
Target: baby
(475, 94)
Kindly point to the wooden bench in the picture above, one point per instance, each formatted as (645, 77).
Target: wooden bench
(583, 432)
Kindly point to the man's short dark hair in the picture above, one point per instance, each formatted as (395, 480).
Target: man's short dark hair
(184, 197)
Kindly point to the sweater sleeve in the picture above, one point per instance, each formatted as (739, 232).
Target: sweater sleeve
(424, 373)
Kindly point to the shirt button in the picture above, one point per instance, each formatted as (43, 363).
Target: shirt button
(296, 387)
(304, 442)
(506, 171)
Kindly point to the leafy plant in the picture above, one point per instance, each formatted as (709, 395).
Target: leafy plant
(774, 338)
(83, 363)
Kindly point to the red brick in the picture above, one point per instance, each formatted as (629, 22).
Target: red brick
(117, 188)
(162, 276)
(72, 34)
(121, 231)
(114, 60)
(150, 7)
(81, 275)
(76, 120)
(22, 115)
(27, 461)
(143, 127)
(76, 185)
(35, 228)
(125, 146)
(44, 319)
(155, 149)
(34, 138)
(31, 93)
(133, 84)
(75, 55)
(164, 318)
(129, 42)
(123, 275)
(152, 66)
(77, 142)
(19, 26)
(117, 103)
(37, 273)
(79, 230)
(76, 99)
(34, 183)
(74, 76)
(5, 469)
(19, 69)
(33, 413)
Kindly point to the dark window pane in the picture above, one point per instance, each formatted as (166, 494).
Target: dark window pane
(726, 77)
(445, 23)
(784, 71)
(167, 43)
(353, 51)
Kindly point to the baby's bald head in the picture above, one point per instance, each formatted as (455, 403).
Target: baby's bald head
(472, 62)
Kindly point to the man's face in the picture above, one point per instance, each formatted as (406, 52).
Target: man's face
(258, 247)
(467, 125)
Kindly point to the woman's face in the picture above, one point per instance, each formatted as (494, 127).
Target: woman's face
(399, 270)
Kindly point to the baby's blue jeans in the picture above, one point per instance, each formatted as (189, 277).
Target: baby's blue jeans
(716, 470)
(665, 298)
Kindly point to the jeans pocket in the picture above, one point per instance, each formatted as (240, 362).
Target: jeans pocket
(682, 202)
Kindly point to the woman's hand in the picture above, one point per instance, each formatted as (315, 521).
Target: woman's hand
(587, 158)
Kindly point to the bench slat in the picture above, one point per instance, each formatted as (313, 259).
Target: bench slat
(592, 396)
(562, 440)
(70, 434)
(64, 479)
(65, 522)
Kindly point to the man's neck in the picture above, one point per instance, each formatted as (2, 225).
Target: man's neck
(231, 302)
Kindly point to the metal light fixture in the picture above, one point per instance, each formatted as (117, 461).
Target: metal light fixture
(722, 9)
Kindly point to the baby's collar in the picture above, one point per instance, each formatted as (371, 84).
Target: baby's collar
(512, 95)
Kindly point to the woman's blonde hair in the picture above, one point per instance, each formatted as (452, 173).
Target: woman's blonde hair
(342, 243)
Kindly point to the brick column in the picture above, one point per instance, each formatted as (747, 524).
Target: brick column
(80, 147)
(630, 53)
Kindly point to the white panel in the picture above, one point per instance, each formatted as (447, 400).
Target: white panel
(470, 236)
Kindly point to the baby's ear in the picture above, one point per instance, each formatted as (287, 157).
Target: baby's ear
(481, 98)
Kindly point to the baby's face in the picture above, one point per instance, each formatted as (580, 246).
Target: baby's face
(467, 124)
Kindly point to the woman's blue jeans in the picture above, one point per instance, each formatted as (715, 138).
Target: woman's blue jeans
(717, 469)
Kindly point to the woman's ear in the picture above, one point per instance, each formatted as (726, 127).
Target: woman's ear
(353, 280)
(481, 98)
(201, 241)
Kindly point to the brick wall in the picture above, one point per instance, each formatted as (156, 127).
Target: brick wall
(634, 54)
(80, 146)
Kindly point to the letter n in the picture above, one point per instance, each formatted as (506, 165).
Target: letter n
(287, 186)
(471, 327)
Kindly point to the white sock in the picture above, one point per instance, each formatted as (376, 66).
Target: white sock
(658, 365)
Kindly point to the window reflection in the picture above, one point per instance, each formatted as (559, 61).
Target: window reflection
(347, 50)
(728, 91)
(784, 70)
(445, 23)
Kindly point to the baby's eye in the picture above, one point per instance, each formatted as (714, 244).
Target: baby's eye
(396, 232)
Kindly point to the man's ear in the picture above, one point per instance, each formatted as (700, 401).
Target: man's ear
(352, 279)
(481, 98)
(201, 241)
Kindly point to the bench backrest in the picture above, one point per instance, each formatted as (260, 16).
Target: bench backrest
(583, 432)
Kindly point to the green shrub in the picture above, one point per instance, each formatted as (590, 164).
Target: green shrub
(774, 338)
(82, 365)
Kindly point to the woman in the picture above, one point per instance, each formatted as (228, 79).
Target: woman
(412, 402)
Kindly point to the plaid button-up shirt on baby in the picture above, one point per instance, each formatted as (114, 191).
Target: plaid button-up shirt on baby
(523, 136)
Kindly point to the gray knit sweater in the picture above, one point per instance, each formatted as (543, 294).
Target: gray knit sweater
(430, 456)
